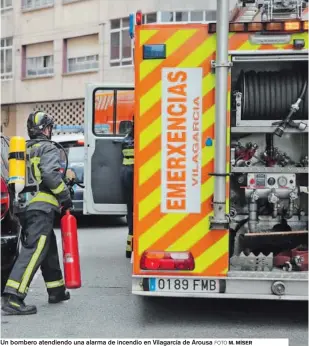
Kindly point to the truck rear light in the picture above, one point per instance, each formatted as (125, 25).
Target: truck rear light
(80, 142)
(5, 198)
(237, 27)
(160, 260)
(255, 27)
(292, 26)
(274, 26)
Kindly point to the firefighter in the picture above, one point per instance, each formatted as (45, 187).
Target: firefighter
(127, 173)
(39, 249)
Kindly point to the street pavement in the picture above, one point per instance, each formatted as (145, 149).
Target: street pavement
(105, 308)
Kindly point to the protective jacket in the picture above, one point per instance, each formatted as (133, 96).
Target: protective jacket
(128, 150)
(45, 165)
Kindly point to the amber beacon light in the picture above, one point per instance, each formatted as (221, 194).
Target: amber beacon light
(265, 27)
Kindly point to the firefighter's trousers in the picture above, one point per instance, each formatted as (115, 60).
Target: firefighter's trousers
(39, 249)
(127, 182)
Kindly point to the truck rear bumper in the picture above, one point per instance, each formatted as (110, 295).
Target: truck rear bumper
(293, 287)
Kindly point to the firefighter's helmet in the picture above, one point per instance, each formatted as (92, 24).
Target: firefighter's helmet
(38, 122)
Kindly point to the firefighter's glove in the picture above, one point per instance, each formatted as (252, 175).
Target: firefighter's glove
(66, 205)
(68, 182)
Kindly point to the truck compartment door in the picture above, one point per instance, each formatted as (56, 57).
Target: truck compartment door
(174, 154)
(108, 116)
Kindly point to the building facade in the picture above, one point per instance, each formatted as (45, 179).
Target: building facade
(50, 49)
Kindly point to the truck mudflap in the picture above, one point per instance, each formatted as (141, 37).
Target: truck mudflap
(268, 286)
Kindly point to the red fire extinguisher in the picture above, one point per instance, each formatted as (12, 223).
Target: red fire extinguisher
(71, 264)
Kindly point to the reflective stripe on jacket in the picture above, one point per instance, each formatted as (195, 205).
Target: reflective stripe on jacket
(128, 150)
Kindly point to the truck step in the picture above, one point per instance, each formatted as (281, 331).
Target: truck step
(274, 274)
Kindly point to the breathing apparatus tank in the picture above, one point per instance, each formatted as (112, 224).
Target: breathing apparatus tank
(17, 165)
(21, 179)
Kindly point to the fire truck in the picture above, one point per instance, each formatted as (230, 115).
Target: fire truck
(221, 155)
(104, 109)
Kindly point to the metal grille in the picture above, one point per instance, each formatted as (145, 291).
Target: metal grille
(69, 112)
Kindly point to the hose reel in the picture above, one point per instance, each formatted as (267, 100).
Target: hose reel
(268, 95)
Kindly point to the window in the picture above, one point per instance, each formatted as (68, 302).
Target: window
(34, 4)
(81, 53)
(121, 50)
(149, 18)
(181, 16)
(75, 154)
(211, 16)
(69, 1)
(167, 17)
(196, 16)
(6, 4)
(40, 66)
(188, 16)
(84, 63)
(7, 58)
(106, 122)
(38, 59)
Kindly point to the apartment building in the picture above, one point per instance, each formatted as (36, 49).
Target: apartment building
(50, 49)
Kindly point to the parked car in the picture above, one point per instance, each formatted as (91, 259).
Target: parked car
(10, 226)
(74, 147)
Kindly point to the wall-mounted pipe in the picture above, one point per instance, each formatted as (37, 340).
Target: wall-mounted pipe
(222, 69)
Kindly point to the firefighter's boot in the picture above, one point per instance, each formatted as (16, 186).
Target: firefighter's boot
(129, 246)
(12, 305)
(59, 297)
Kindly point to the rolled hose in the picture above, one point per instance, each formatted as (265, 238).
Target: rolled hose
(300, 97)
(269, 95)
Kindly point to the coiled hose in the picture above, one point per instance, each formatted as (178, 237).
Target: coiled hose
(268, 95)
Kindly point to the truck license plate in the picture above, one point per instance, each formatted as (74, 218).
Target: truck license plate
(184, 285)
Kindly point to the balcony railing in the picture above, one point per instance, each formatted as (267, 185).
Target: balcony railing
(36, 4)
(44, 71)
